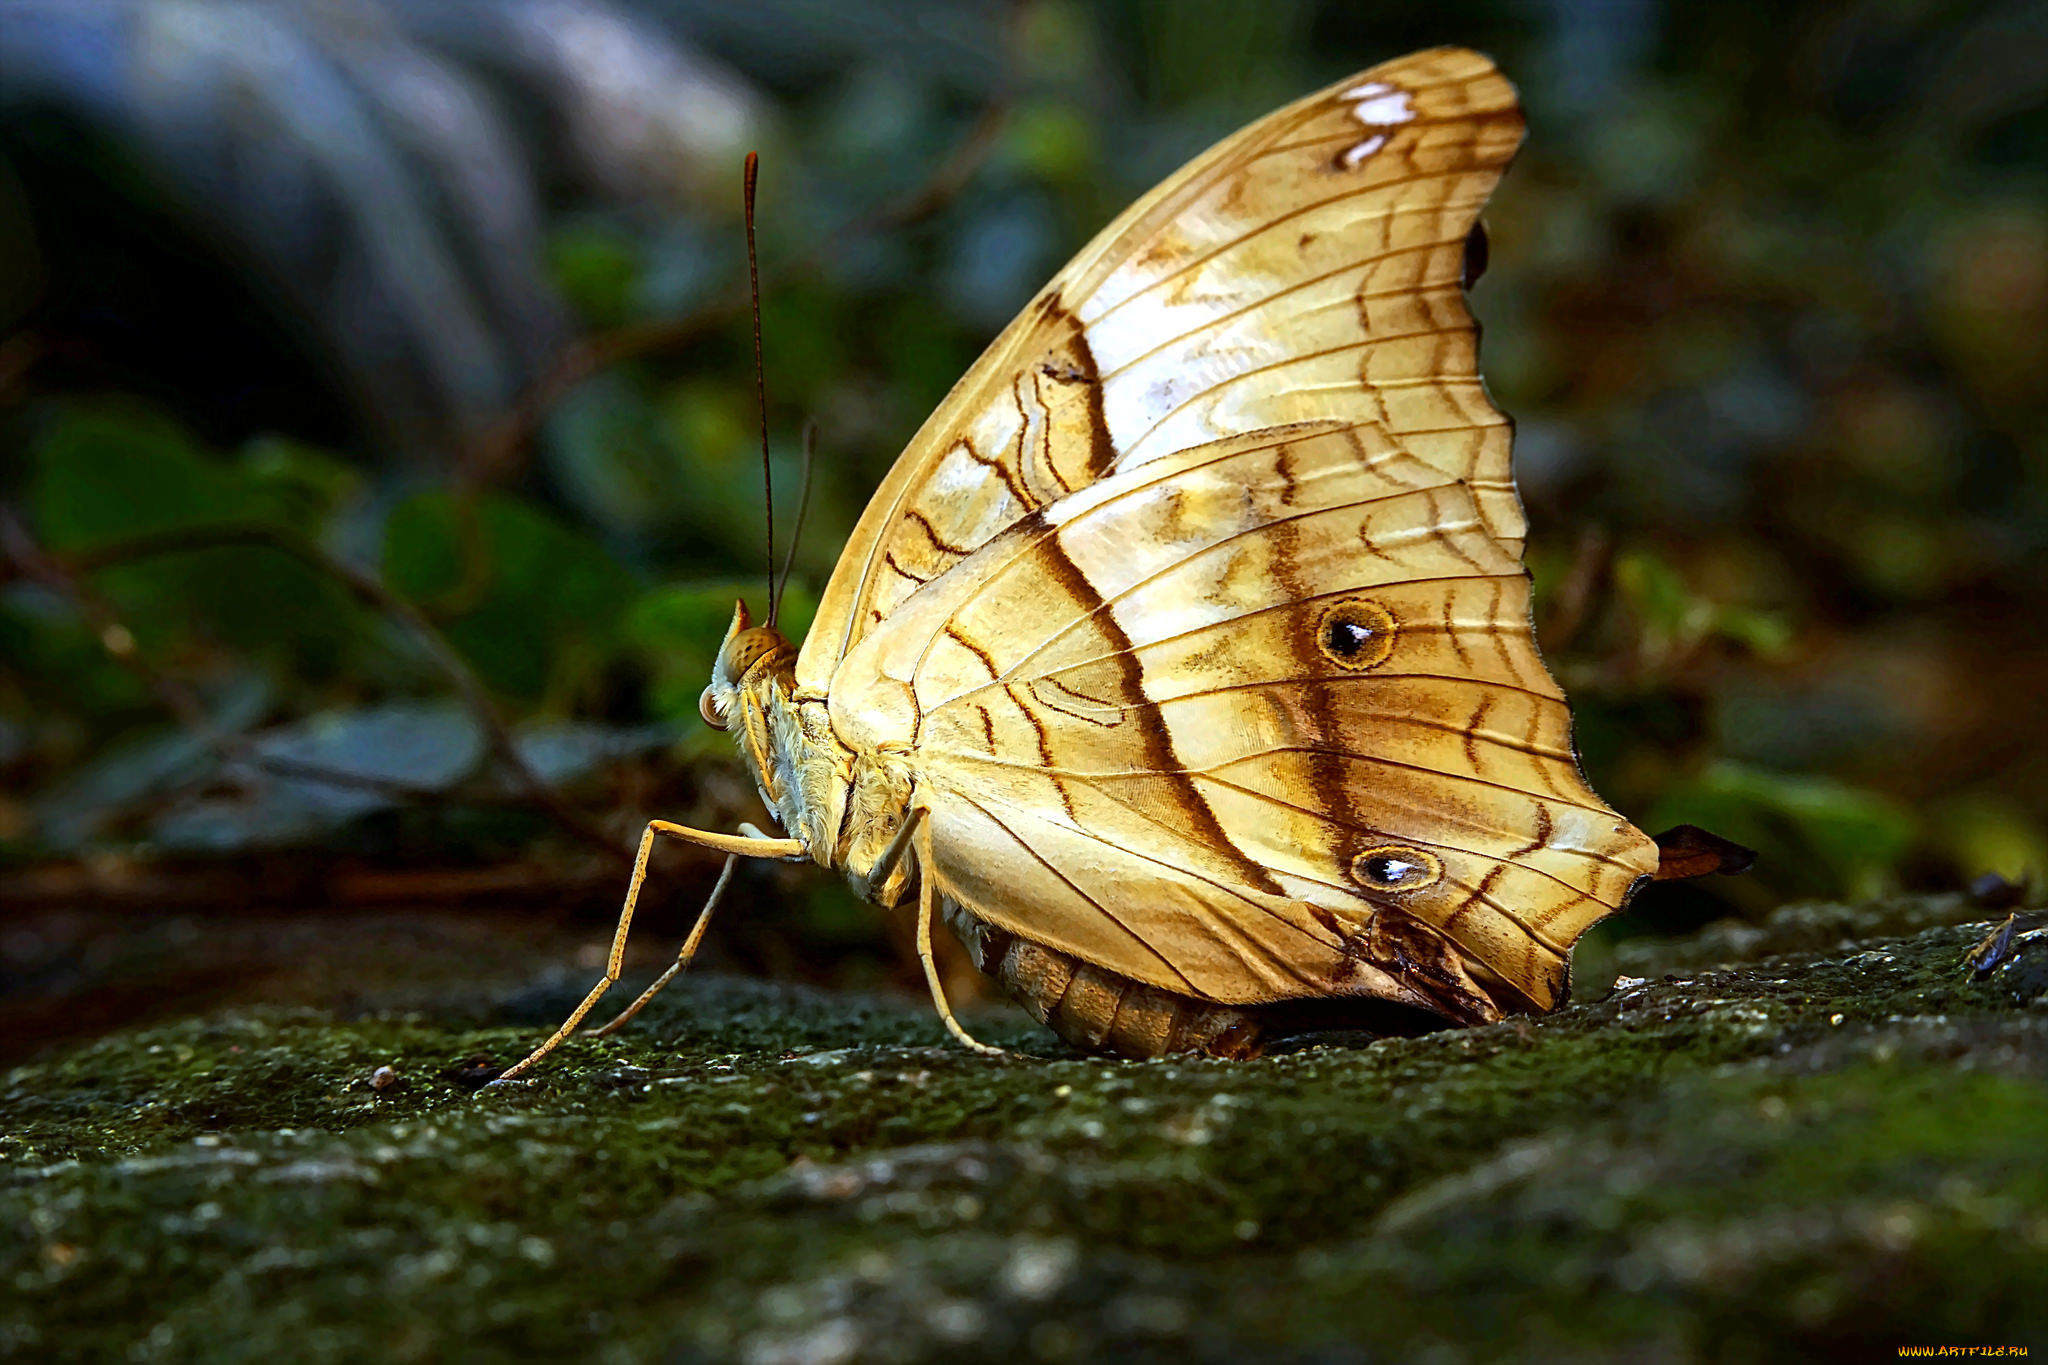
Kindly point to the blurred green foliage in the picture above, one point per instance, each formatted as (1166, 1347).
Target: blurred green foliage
(532, 604)
(1840, 836)
(1768, 297)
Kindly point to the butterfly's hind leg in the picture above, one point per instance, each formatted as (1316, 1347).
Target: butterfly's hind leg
(733, 845)
(683, 956)
(927, 911)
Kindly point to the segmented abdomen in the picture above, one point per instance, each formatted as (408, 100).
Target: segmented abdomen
(1097, 1010)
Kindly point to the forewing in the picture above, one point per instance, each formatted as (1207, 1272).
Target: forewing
(1307, 268)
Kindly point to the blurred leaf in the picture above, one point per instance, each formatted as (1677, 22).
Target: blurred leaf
(107, 475)
(708, 423)
(809, 338)
(564, 751)
(424, 551)
(597, 270)
(1054, 142)
(676, 629)
(922, 353)
(1765, 634)
(118, 471)
(1987, 832)
(92, 798)
(1812, 834)
(58, 662)
(1058, 39)
(1207, 49)
(79, 809)
(1668, 610)
(110, 475)
(531, 603)
(428, 746)
(1675, 619)
(1003, 251)
(605, 446)
(300, 484)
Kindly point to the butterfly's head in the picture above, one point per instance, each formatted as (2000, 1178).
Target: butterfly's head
(750, 653)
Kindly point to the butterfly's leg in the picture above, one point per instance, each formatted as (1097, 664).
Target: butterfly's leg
(688, 951)
(729, 844)
(927, 911)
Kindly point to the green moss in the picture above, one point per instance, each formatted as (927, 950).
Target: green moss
(1821, 1154)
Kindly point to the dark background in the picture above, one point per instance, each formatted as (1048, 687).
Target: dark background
(377, 422)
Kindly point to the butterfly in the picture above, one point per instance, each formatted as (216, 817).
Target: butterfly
(1183, 662)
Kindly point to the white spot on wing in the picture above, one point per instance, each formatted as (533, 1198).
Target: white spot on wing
(1387, 109)
(1381, 108)
(1360, 151)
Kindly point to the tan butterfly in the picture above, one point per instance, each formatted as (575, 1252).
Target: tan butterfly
(1184, 658)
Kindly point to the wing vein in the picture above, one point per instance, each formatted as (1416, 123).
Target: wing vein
(1073, 886)
(1299, 210)
(1217, 922)
(1110, 601)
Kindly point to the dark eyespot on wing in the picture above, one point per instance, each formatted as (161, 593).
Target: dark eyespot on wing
(1396, 867)
(1356, 633)
(1475, 255)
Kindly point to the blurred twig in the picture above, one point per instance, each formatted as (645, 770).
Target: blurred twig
(68, 575)
(941, 187)
(1592, 563)
(31, 561)
(500, 450)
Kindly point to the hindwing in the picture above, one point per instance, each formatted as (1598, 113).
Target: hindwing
(1138, 745)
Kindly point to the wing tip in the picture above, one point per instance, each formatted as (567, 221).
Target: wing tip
(1447, 60)
(1486, 89)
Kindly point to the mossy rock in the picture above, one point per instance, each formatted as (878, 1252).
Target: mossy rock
(1823, 1155)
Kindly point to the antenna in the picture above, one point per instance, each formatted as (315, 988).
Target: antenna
(761, 379)
(803, 505)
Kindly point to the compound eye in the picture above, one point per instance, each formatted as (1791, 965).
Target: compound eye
(707, 707)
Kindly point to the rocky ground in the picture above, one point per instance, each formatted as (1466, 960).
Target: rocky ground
(1827, 1153)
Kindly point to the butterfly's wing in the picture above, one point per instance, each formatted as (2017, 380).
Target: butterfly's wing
(1310, 266)
(1199, 604)
(1145, 736)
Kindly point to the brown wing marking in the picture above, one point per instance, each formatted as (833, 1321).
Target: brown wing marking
(1101, 450)
(987, 660)
(1047, 439)
(1156, 743)
(931, 533)
(1546, 824)
(1470, 734)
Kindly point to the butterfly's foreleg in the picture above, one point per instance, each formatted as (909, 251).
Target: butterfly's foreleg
(688, 951)
(729, 844)
(927, 911)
